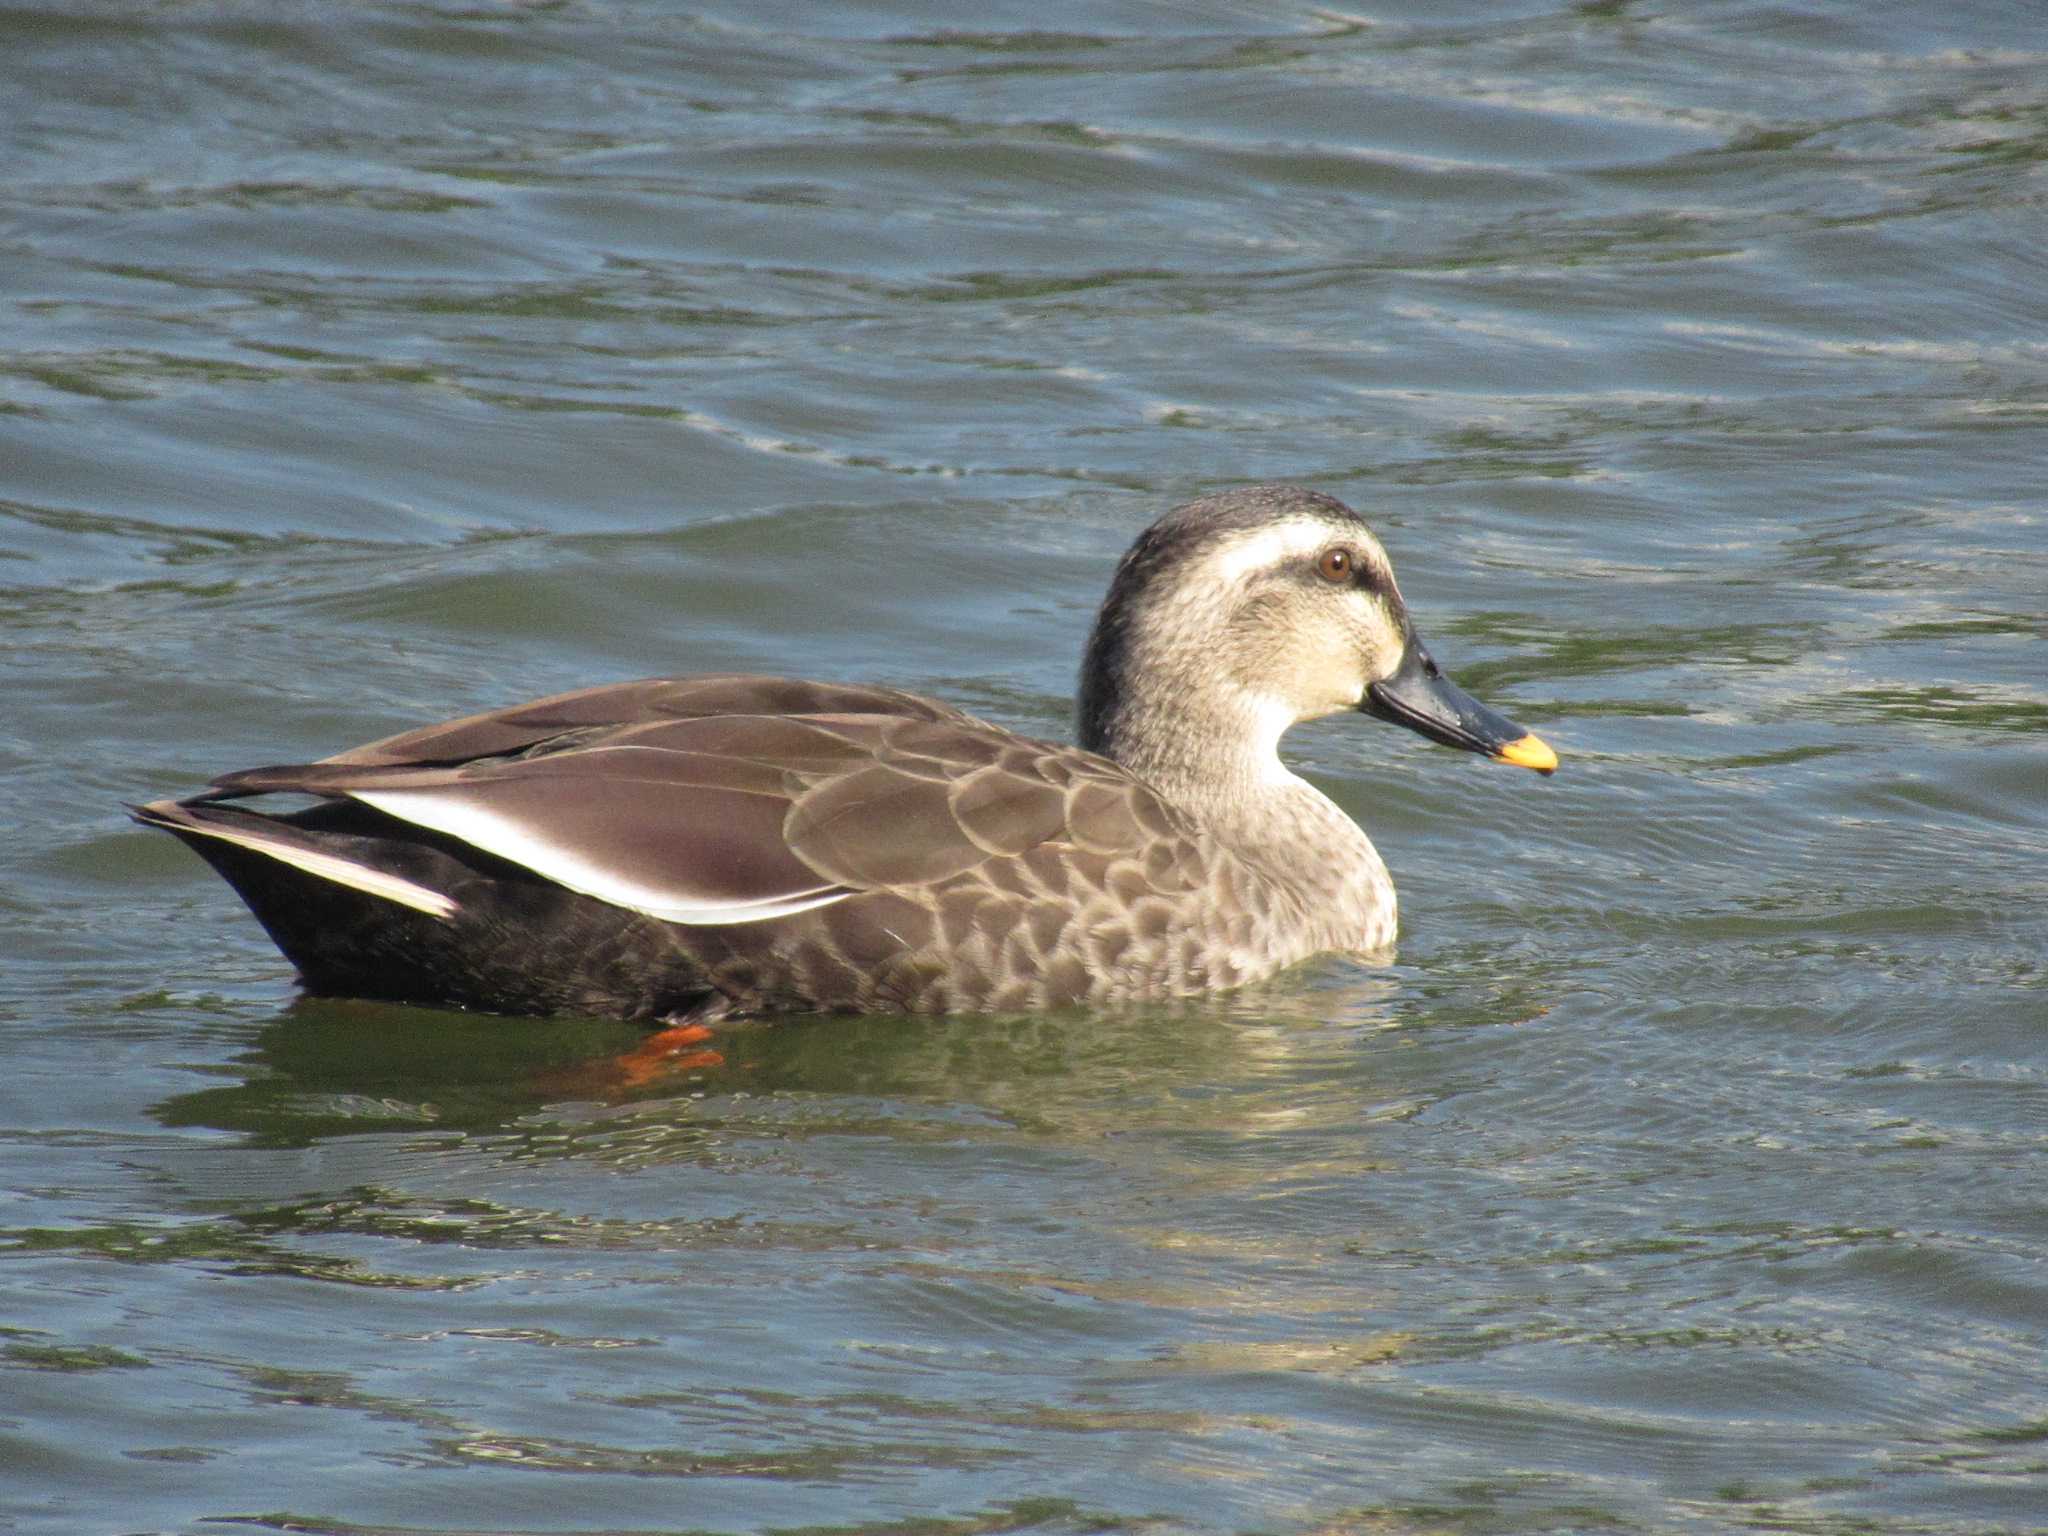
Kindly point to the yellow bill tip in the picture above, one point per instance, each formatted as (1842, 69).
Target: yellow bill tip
(1528, 752)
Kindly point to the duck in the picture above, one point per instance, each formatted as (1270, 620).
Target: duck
(681, 850)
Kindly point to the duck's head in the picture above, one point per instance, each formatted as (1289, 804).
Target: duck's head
(1243, 613)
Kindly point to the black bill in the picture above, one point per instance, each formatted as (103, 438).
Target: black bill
(1420, 697)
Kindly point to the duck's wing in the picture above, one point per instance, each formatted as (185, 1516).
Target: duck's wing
(722, 818)
(566, 719)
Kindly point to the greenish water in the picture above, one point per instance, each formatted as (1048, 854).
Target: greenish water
(363, 365)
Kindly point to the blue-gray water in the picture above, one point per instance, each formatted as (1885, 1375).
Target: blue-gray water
(364, 364)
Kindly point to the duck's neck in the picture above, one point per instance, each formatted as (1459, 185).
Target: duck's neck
(1212, 751)
(1156, 697)
(1214, 754)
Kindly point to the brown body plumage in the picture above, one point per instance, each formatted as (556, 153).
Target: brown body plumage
(687, 848)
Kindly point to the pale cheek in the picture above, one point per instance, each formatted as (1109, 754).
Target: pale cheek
(1354, 666)
(1339, 684)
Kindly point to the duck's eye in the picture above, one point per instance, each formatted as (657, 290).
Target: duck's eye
(1335, 565)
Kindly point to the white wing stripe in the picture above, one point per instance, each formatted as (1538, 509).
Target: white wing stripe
(327, 866)
(508, 839)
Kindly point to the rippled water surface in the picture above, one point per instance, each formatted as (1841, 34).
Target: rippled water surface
(365, 364)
